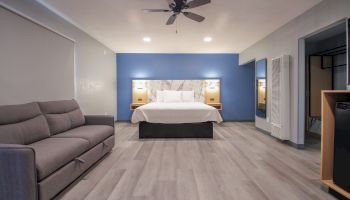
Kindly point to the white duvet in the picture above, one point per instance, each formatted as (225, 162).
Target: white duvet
(176, 113)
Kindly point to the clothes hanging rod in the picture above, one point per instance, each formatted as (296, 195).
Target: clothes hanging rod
(330, 51)
(343, 65)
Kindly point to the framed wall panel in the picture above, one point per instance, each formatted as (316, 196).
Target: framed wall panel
(37, 64)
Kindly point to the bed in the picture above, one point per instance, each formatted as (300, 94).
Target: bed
(176, 120)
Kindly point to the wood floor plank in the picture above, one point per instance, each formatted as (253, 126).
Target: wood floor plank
(239, 163)
(148, 177)
(186, 187)
(105, 187)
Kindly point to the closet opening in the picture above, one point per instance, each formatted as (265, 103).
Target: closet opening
(325, 69)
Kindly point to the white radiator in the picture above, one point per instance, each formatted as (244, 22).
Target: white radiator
(280, 101)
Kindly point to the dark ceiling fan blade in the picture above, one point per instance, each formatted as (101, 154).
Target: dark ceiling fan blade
(197, 3)
(171, 19)
(156, 10)
(194, 16)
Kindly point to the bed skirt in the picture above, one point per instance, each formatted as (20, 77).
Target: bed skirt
(188, 130)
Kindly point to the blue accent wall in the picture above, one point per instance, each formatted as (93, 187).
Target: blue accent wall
(237, 82)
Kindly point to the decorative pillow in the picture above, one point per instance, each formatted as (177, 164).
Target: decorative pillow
(160, 96)
(172, 96)
(188, 96)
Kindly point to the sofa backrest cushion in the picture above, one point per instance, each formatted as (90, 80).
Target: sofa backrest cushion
(62, 115)
(22, 124)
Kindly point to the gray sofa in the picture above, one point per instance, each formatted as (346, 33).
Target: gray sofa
(45, 146)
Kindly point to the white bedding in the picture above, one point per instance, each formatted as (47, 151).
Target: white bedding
(176, 113)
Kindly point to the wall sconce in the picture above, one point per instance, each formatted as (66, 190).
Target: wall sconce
(212, 91)
(212, 84)
(262, 83)
(139, 85)
(139, 91)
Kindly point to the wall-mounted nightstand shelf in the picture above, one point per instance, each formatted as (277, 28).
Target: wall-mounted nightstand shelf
(133, 106)
(215, 105)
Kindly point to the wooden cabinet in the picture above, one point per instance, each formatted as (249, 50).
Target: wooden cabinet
(329, 99)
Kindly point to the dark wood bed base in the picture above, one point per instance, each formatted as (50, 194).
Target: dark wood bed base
(190, 130)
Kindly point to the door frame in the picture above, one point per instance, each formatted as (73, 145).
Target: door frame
(302, 78)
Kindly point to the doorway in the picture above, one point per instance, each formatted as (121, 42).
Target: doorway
(325, 69)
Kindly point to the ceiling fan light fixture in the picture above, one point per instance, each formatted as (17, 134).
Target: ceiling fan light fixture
(147, 39)
(177, 7)
(207, 39)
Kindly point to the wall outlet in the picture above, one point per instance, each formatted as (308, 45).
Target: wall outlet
(139, 99)
(212, 99)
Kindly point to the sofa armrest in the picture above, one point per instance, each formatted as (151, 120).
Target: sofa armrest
(99, 120)
(17, 172)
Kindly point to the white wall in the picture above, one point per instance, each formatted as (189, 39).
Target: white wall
(285, 41)
(95, 75)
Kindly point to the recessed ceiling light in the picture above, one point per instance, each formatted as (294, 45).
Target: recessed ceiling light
(147, 39)
(207, 39)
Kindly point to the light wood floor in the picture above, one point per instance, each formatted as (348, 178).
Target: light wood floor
(239, 163)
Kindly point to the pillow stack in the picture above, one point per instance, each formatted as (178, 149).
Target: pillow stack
(171, 96)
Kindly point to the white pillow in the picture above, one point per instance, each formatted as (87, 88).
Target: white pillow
(160, 96)
(188, 96)
(172, 96)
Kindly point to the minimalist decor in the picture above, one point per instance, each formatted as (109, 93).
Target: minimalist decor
(237, 83)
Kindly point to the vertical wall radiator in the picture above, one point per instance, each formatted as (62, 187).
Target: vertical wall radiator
(280, 101)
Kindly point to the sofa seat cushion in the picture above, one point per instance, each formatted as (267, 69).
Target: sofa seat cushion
(93, 133)
(53, 153)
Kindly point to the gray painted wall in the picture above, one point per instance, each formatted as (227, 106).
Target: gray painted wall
(95, 63)
(285, 41)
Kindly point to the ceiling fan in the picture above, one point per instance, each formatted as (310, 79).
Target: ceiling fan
(178, 6)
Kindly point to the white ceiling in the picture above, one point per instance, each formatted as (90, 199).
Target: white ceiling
(234, 24)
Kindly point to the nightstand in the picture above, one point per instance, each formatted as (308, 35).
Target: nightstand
(133, 106)
(215, 105)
